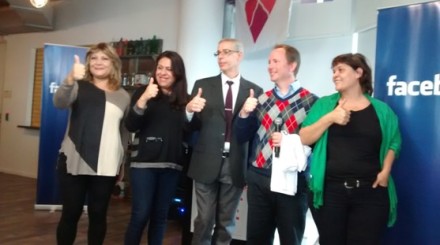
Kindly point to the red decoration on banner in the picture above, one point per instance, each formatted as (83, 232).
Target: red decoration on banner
(257, 13)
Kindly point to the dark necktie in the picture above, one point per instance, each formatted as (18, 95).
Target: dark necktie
(228, 112)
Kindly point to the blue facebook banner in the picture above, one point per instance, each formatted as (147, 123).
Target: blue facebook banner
(58, 61)
(408, 79)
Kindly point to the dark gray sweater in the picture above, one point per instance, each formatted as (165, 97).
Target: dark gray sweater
(159, 131)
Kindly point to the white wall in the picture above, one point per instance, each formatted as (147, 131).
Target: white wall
(320, 20)
(365, 11)
(319, 31)
(200, 27)
(367, 45)
(2, 75)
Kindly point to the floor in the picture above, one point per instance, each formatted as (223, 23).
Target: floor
(21, 224)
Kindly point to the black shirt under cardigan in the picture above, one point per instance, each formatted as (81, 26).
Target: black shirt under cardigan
(353, 149)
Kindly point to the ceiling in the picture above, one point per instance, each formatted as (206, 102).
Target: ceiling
(19, 16)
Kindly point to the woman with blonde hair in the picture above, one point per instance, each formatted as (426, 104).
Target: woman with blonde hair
(92, 149)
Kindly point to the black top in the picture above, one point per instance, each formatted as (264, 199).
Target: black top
(353, 150)
(159, 131)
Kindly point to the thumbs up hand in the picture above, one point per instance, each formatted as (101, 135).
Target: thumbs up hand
(197, 103)
(151, 91)
(341, 115)
(249, 105)
(78, 71)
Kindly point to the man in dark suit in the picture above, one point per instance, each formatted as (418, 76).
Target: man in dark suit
(218, 162)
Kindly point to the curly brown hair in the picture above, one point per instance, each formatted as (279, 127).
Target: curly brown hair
(355, 61)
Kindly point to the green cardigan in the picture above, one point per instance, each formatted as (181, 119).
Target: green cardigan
(391, 140)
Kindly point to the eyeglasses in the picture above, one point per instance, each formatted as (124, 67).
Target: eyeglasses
(225, 52)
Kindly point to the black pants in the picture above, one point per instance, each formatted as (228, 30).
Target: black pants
(351, 216)
(74, 189)
(269, 210)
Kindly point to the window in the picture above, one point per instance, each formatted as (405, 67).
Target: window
(37, 91)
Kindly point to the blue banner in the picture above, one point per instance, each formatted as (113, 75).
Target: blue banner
(58, 61)
(408, 79)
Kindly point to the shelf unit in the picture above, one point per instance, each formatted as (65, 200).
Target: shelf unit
(137, 64)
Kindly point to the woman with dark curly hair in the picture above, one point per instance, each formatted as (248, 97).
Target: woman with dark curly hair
(356, 139)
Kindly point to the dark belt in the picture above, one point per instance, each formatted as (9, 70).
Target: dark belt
(350, 184)
(225, 155)
(353, 183)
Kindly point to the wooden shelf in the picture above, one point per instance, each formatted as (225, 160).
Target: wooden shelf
(28, 127)
(138, 64)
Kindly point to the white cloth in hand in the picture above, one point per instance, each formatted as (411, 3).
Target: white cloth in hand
(285, 168)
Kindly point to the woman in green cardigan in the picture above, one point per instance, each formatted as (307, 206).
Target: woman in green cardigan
(355, 140)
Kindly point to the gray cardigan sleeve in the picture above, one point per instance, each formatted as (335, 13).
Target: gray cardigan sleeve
(65, 95)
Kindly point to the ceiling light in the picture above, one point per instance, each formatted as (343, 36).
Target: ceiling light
(39, 3)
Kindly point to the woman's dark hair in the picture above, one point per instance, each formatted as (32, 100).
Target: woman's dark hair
(357, 61)
(179, 95)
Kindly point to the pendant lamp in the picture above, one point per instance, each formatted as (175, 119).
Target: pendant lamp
(39, 3)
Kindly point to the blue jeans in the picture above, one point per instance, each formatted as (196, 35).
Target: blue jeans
(152, 192)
